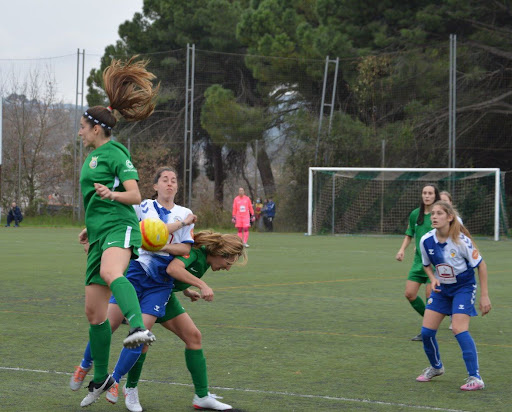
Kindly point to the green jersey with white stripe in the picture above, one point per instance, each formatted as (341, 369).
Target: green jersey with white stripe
(110, 165)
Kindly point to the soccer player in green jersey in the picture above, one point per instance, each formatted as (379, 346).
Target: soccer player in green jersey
(109, 185)
(419, 224)
(211, 250)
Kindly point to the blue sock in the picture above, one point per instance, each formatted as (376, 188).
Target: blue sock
(430, 347)
(127, 359)
(467, 344)
(87, 359)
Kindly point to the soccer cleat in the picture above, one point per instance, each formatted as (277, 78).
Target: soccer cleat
(417, 338)
(77, 380)
(138, 336)
(210, 402)
(131, 399)
(430, 373)
(96, 389)
(113, 393)
(473, 384)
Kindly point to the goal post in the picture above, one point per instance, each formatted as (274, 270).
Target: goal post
(349, 200)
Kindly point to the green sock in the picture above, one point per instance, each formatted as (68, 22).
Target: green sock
(418, 305)
(196, 365)
(132, 379)
(127, 300)
(99, 337)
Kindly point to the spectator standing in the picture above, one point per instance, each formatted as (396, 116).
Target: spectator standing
(258, 214)
(270, 213)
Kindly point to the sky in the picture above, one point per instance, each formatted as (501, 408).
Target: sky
(44, 35)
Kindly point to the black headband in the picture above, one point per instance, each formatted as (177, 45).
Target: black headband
(97, 121)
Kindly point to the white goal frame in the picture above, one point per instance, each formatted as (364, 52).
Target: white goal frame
(496, 172)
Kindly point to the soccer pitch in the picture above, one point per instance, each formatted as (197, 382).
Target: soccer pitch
(310, 324)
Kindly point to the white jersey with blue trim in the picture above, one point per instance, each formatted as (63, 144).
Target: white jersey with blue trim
(151, 208)
(452, 260)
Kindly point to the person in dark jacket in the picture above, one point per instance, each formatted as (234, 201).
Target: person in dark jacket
(269, 214)
(14, 214)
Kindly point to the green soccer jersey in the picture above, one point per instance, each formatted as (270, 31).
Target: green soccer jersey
(110, 165)
(417, 231)
(195, 263)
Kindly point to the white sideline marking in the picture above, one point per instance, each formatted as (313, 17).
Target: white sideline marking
(299, 395)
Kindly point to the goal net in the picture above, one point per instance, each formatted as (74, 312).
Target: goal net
(345, 200)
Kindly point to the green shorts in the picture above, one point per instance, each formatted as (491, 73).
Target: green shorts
(417, 273)
(114, 238)
(172, 309)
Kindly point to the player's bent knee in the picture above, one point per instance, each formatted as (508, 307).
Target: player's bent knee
(194, 338)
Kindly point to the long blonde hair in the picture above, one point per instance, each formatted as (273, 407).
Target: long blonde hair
(456, 228)
(130, 91)
(229, 245)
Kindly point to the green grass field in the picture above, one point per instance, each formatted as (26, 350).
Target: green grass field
(310, 324)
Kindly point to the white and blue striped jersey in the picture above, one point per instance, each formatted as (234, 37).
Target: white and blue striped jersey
(454, 262)
(151, 208)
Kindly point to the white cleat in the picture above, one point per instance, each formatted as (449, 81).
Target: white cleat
(138, 336)
(131, 399)
(95, 390)
(210, 402)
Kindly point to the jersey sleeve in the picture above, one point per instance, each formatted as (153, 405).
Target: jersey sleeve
(234, 207)
(147, 209)
(470, 252)
(251, 210)
(123, 167)
(424, 255)
(188, 259)
(412, 225)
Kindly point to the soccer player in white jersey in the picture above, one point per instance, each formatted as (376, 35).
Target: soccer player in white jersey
(450, 249)
(147, 275)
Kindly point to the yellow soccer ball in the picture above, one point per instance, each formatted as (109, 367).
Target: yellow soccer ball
(154, 234)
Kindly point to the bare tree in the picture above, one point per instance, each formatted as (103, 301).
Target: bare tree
(36, 127)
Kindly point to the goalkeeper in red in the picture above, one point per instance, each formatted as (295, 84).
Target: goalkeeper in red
(243, 215)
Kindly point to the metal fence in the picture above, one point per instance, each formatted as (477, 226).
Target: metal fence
(385, 110)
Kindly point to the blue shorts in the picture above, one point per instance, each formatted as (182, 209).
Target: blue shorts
(454, 298)
(153, 296)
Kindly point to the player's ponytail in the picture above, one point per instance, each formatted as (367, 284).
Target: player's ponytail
(130, 91)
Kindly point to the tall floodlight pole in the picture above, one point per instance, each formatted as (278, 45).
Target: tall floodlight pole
(81, 142)
(73, 199)
(192, 75)
(1, 122)
(452, 104)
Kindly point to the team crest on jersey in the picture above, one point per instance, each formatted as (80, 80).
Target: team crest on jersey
(94, 162)
(453, 253)
(129, 164)
(475, 254)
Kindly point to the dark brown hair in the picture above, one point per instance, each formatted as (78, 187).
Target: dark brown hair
(421, 215)
(159, 172)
